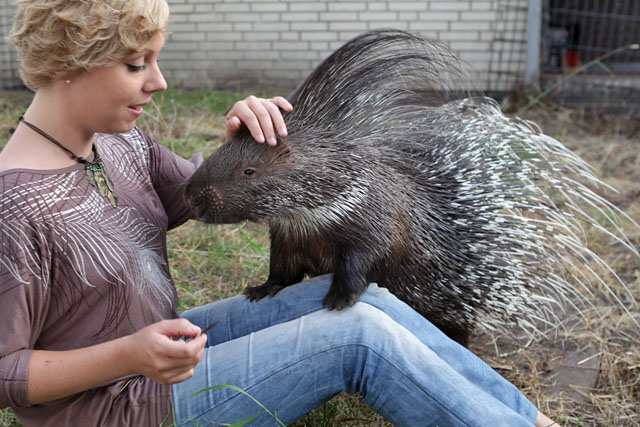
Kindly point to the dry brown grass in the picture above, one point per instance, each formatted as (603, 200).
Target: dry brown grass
(588, 372)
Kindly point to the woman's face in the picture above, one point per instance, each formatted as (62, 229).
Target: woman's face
(110, 99)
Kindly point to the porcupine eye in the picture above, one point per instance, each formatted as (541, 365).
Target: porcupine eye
(249, 172)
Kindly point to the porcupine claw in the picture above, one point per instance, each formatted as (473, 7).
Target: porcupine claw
(333, 300)
(268, 288)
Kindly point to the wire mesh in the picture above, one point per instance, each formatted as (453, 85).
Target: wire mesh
(576, 32)
(508, 56)
(9, 76)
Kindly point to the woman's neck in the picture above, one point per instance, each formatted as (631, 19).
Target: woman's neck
(30, 150)
(51, 112)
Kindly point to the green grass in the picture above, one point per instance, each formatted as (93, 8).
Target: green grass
(208, 263)
(8, 419)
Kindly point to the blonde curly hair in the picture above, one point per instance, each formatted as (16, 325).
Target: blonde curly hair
(59, 39)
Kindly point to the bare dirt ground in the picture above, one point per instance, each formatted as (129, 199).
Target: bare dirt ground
(587, 373)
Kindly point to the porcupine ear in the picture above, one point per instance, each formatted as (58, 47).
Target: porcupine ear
(284, 151)
(276, 157)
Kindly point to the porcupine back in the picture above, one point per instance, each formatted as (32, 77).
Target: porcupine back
(392, 163)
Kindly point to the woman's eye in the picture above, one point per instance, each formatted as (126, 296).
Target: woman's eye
(135, 68)
(249, 171)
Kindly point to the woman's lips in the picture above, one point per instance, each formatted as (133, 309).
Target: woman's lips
(136, 110)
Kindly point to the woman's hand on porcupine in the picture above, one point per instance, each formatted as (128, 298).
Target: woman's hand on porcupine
(261, 116)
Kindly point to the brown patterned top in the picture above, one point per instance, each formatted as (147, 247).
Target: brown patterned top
(74, 271)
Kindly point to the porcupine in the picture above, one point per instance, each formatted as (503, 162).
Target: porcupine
(394, 172)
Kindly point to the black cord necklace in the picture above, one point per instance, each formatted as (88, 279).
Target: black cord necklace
(96, 171)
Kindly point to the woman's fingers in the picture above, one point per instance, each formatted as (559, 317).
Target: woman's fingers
(164, 359)
(262, 117)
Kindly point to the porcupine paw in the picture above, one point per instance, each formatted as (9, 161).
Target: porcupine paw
(268, 288)
(337, 301)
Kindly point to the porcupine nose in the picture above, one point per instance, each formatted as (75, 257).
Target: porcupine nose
(205, 202)
(193, 197)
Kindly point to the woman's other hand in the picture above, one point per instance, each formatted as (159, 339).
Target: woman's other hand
(152, 352)
(261, 116)
(157, 355)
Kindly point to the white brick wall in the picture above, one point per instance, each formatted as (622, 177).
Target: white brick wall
(277, 43)
(260, 43)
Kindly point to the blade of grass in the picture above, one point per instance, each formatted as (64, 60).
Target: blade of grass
(239, 390)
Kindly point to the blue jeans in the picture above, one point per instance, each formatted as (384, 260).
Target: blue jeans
(292, 355)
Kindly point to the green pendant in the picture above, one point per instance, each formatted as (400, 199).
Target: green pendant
(99, 178)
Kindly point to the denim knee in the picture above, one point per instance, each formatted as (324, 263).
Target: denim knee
(367, 336)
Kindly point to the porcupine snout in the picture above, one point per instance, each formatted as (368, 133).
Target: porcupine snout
(205, 202)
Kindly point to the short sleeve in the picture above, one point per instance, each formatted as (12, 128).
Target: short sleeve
(24, 298)
(170, 173)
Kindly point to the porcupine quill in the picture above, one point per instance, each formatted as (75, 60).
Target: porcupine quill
(393, 171)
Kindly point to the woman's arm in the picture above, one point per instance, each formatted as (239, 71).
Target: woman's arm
(150, 352)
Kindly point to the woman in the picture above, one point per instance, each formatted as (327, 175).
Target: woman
(91, 335)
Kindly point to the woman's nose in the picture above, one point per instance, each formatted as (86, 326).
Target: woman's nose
(156, 82)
